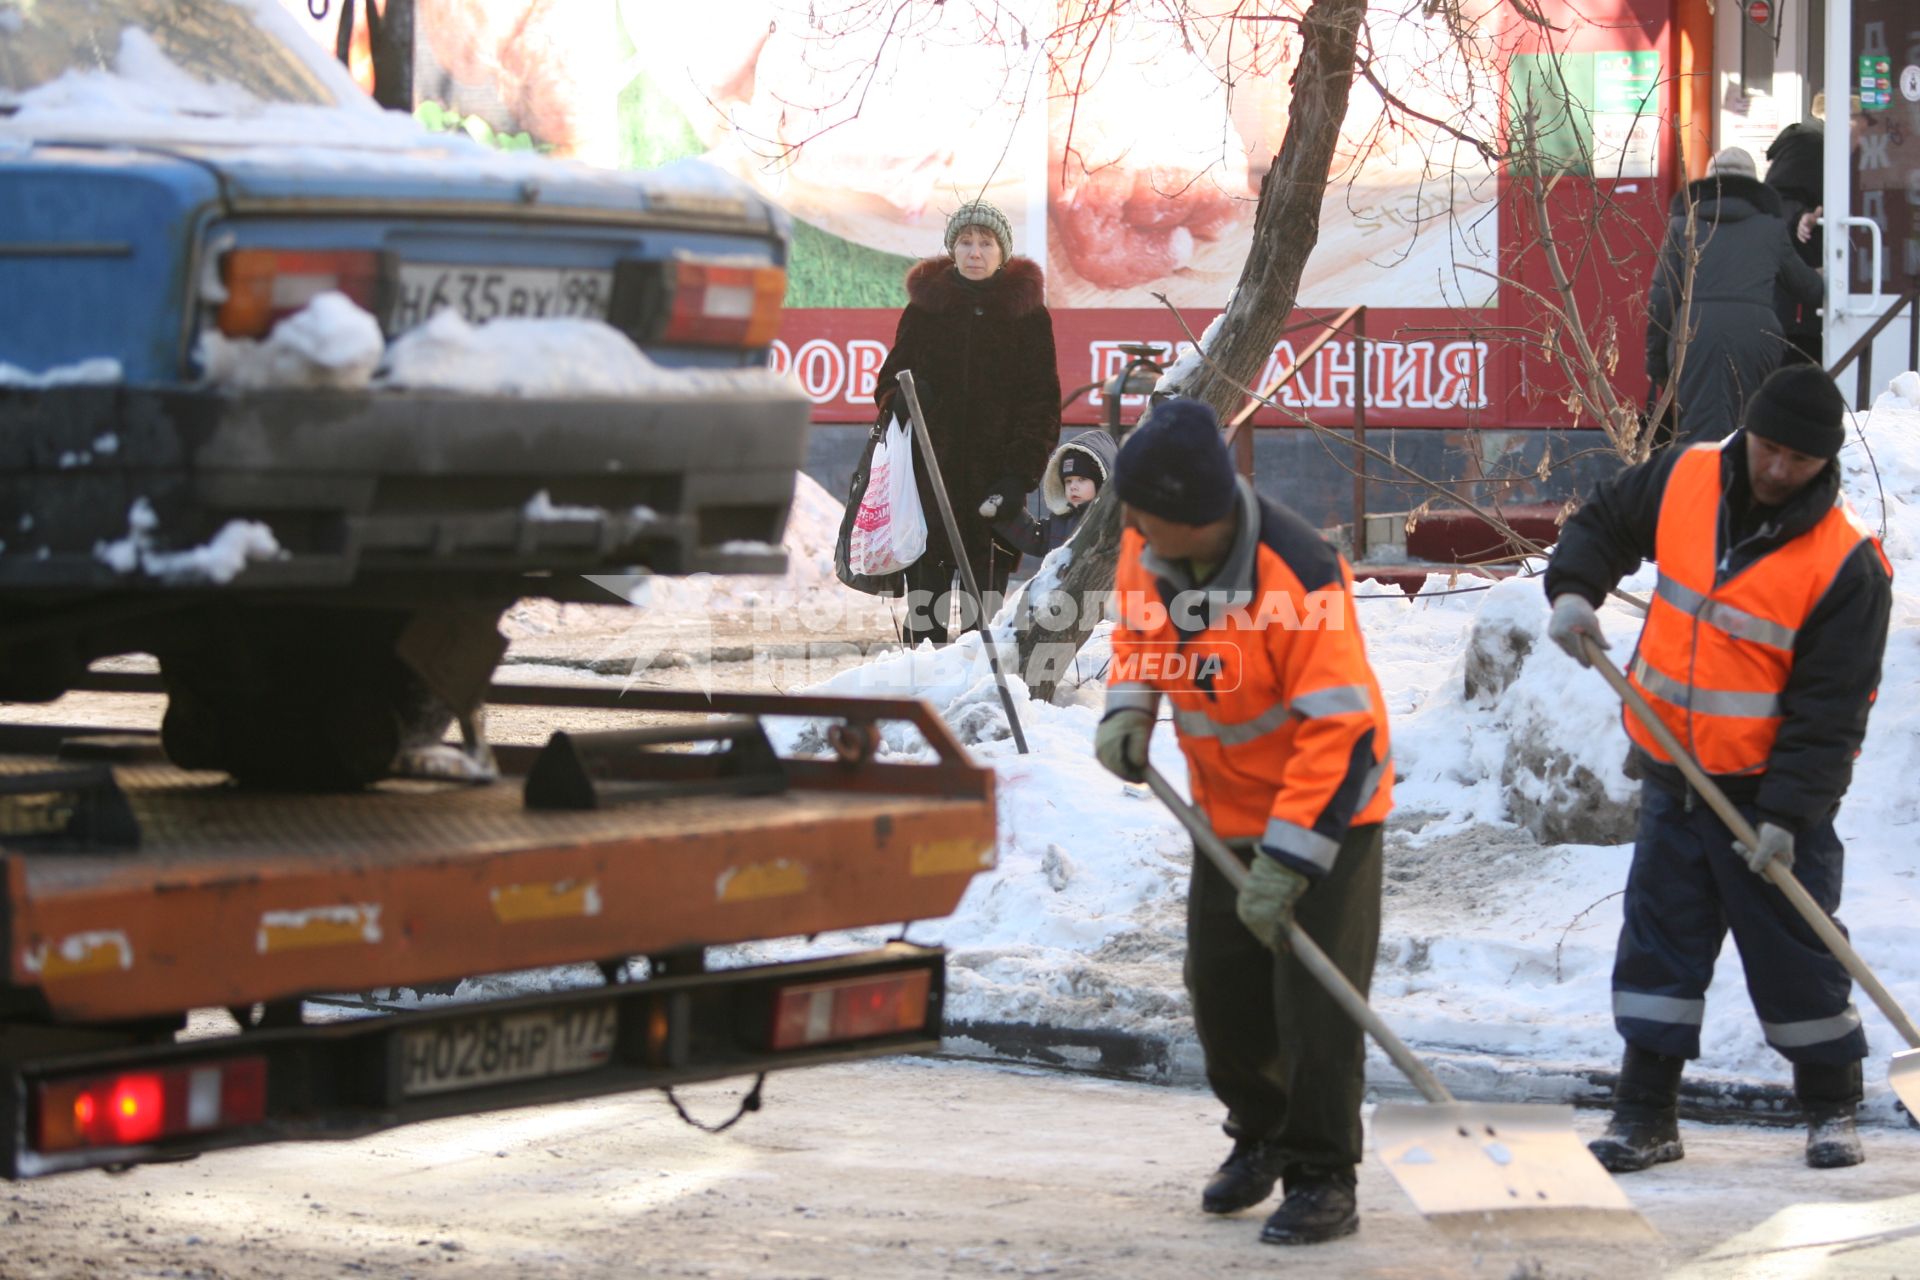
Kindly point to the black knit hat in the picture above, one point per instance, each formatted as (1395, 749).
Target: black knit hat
(1077, 462)
(1175, 465)
(1799, 408)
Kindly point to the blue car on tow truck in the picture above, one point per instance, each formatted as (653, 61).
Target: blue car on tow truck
(176, 171)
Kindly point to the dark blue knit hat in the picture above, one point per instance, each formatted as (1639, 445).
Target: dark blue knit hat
(1798, 406)
(1175, 465)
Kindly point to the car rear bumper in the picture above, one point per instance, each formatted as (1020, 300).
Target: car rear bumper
(356, 485)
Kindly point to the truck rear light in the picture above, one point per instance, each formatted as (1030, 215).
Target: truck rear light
(694, 303)
(850, 1009)
(265, 285)
(132, 1108)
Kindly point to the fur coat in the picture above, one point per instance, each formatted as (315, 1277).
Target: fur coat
(982, 358)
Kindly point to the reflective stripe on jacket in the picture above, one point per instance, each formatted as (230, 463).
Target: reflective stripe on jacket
(1276, 706)
(1715, 655)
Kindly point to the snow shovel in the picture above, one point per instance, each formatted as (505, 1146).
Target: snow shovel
(1903, 1072)
(1472, 1168)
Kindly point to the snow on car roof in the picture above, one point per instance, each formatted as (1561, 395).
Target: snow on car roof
(146, 98)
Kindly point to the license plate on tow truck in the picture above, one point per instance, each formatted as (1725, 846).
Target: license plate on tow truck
(499, 1048)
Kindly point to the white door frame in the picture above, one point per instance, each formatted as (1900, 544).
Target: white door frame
(1849, 314)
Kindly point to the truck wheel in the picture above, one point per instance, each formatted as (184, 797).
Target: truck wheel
(306, 699)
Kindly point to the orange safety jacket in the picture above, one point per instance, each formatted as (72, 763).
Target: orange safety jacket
(1275, 704)
(1714, 657)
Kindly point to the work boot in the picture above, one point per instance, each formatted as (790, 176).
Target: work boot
(1244, 1180)
(1828, 1094)
(1319, 1207)
(1645, 1128)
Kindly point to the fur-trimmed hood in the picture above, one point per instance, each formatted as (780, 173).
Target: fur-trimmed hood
(1016, 289)
(1096, 445)
(1727, 198)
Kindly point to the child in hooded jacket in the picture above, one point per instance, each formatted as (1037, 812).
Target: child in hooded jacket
(1074, 476)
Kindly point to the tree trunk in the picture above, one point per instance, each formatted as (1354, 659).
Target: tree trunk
(1286, 228)
(1286, 223)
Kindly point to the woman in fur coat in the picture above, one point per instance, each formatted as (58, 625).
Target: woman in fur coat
(977, 336)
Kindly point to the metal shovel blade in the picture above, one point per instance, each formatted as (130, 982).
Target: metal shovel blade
(1514, 1170)
(1903, 1074)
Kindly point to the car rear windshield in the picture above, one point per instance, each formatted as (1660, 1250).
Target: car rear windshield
(215, 41)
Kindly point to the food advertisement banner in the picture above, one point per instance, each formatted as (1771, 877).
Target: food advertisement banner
(1126, 153)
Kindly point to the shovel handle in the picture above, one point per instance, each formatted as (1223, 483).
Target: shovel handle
(1305, 949)
(1780, 876)
(911, 394)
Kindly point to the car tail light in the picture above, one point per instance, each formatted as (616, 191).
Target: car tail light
(711, 305)
(132, 1108)
(264, 285)
(850, 1009)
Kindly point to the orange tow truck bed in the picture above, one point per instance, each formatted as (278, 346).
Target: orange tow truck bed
(135, 892)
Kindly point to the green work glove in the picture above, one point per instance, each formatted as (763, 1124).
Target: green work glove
(1120, 743)
(1265, 904)
(1775, 842)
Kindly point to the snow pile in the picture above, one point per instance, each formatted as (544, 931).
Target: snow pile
(330, 342)
(1498, 724)
(333, 342)
(552, 356)
(220, 560)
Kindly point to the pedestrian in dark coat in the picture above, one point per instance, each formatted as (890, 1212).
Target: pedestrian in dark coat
(1734, 337)
(1761, 652)
(1076, 473)
(1794, 169)
(979, 341)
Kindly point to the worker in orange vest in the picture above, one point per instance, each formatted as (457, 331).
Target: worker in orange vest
(1236, 612)
(1761, 651)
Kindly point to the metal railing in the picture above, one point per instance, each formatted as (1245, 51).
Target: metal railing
(1862, 349)
(1239, 430)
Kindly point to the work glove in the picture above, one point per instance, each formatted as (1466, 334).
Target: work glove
(1120, 743)
(1572, 618)
(1775, 842)
(1265, 904)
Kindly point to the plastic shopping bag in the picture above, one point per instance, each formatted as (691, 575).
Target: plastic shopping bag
(889, 530)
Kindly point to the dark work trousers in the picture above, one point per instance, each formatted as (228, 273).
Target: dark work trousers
(1687, 887)
(1287, 1062)
(934, 591)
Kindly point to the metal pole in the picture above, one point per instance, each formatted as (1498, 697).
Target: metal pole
(1359, 434)
(939, 487)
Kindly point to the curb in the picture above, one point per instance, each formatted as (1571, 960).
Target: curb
(1473, 1076)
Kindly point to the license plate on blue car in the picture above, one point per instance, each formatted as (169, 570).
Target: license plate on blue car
(480, 294)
